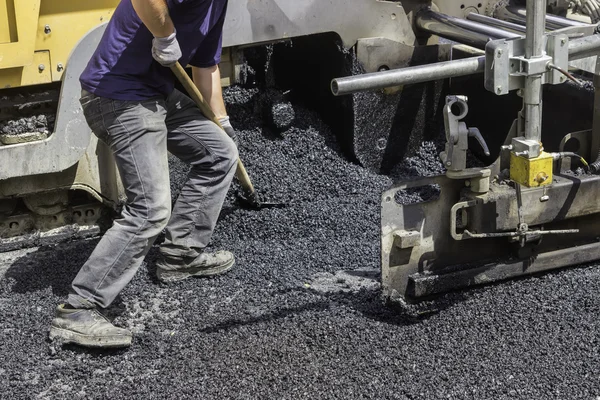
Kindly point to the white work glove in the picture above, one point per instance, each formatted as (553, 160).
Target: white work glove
(228, 129)
(166, 50)
(589, 7)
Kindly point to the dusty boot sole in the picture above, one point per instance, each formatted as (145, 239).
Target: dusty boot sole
(89, 341)
(165, 275)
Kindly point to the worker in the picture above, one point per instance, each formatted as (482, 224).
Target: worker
(129, 101)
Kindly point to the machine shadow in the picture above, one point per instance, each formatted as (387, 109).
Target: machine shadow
(56, 266)
(49, 267)
(367, 302)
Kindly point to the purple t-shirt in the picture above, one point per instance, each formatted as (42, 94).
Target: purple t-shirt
(122, 66)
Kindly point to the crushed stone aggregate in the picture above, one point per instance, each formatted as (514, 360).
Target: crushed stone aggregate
(300, 316)
(42, 123)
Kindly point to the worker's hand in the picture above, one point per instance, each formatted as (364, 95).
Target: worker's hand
(226, 124)
(166, 50)
(591, 8)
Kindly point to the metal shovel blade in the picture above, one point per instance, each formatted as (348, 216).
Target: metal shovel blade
(251, 200)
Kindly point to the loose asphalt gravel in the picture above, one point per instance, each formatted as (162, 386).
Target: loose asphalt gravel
(300, 316)
(43, 123)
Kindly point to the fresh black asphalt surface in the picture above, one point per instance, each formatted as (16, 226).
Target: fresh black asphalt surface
(300, 316)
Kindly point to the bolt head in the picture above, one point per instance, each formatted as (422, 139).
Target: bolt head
(47, 29)
(41, 67)
(523, 227)
(541, 177)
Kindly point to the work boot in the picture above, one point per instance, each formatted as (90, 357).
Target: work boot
(87, 327)
(171, 269)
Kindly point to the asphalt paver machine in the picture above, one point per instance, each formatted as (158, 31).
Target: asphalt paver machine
(534, 207)
(530, 204)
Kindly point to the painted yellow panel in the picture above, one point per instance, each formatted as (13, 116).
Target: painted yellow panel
(20, 52)
(4, 21)
(53, 26)
(11, 77)
(68, 22)
(28, 75)
(8, 28)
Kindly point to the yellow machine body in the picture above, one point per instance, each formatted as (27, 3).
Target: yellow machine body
(531, 172)
(37, 37)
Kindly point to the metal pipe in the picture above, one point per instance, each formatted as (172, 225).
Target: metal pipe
(484, 19)
(407, 76)
(534, 48)
(557, 22)
(516, 14)
(459, 30)
(578, 48)
(534, 38)
(584, 47)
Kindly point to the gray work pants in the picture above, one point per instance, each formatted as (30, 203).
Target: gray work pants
(139, 133)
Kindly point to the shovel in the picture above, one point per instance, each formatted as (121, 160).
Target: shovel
(249, 197)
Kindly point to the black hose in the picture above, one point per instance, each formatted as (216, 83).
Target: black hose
(595, 166)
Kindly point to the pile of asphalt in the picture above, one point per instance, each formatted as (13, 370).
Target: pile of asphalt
(27, 111)
(42, 123)
(300, 316)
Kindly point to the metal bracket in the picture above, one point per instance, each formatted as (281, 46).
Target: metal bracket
(506, 66)
(524, 147)
(527, 67)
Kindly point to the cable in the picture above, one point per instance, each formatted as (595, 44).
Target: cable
(565, 73)
(571, 154)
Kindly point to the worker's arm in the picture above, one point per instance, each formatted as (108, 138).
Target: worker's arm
(208, 81)
(155, 15)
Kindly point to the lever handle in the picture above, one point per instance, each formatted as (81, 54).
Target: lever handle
(474, 132)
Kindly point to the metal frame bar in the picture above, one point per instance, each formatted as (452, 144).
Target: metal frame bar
(534, 48)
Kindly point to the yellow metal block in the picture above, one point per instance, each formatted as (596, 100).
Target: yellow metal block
(532, 172)
(22, 16)
(31, 74)
(8, 30)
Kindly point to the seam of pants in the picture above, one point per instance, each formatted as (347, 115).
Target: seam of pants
(194, 138)
(106, 139)
(211, 181)
(145, 221)
(103, 125)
